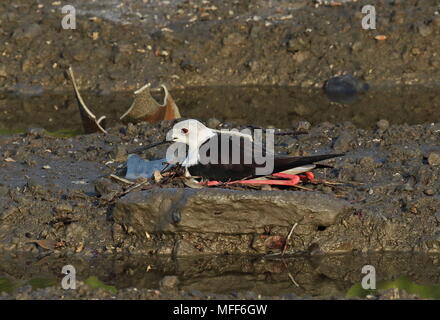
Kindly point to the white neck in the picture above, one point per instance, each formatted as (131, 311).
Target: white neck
(193, 150)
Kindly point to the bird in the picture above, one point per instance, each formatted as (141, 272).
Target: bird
(209, 154)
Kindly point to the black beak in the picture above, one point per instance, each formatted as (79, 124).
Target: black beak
(150, 146)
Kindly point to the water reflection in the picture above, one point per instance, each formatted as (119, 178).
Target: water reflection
(261, 106)
(324, 276)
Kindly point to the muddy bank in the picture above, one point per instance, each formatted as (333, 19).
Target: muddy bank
(58, 189)
(205, 43)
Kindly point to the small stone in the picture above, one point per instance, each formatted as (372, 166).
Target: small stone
(169, 282)
(425, 30)
(120, 153)
(213, 123)
(429, 192)
(303, 125)
(356, 46)
(157, 176)
(343, 142)
(63, 208)
(3, 71)
(300, 56)
(36, 132)
(234, 39)
(131, 129)
(106, 188)
(344, 88)
(383, 124)
(28, 32)
(434, 159)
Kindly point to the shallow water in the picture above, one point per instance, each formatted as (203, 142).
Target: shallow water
(262, 106)
(319, 276)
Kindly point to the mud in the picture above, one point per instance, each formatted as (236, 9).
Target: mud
(211, 43)
(58, 204)
(389, 188)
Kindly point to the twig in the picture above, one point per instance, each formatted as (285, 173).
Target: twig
(115, 177)
(140, 184)
(282, 133)
(303, 188)
(288, 238)
(289, 274)
(89, 120)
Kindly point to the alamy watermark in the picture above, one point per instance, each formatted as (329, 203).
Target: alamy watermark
(69, 20)
(69, 280)
(369, 280)
(369, 21)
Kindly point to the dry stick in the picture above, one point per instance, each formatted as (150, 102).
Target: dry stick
(289, 274)
(282, 133)
(128, 190)
(302, 188)
(82, 104)
(121, 179)
(134, 187)
(288, 238)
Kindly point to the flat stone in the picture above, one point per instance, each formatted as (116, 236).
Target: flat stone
(224, 211)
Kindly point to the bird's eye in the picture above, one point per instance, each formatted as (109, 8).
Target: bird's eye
(184, 130)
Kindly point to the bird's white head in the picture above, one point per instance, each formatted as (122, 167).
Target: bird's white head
(191, 132)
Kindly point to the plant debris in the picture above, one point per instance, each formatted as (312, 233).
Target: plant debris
(146, 108)
(90, 123)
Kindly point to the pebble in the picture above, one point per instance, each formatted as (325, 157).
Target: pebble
(344, 88)
(213, 123)
(63, 208)
(434, 159)
(106, 188)
(169, 282)
(234, 39)
(303, 125)
(120, 153)
(383, 124)
(425, 30)
(342, 143)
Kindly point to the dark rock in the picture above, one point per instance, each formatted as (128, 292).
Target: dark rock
(342, 143)
(106, 188)
(345, 88)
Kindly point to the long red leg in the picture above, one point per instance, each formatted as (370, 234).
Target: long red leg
(288, 180)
